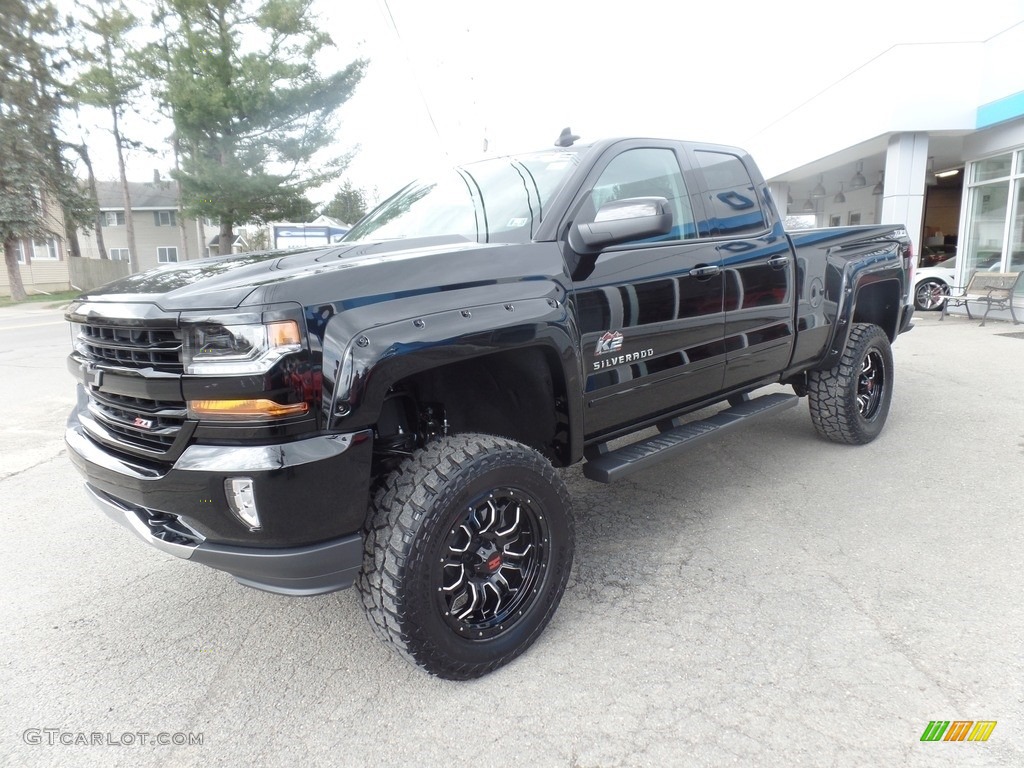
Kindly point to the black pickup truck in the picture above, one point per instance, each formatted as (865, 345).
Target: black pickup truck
(390, 411)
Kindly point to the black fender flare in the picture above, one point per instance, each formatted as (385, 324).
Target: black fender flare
(361, 364)
(872, 266)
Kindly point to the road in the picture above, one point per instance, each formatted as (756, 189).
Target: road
(772, 600)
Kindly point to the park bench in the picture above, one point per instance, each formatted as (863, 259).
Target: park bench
(993, 289)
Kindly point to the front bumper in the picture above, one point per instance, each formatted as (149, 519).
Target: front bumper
(311, 494)
(313, 570)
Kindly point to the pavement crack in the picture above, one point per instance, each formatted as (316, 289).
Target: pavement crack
(41, 462)
(898, 647)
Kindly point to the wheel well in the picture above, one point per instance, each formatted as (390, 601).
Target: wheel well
(518, 394)
(879, 304)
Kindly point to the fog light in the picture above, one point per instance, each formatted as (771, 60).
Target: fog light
(242, 500)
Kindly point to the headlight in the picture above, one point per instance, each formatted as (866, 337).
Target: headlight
(78, 340)
(224, 350)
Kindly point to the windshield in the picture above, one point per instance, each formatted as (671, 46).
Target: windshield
(500, 200)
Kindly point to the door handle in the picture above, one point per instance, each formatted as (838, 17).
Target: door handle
(778, 262)
(705, 272)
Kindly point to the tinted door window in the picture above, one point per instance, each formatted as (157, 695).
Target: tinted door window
(646, 173)
(731, 198)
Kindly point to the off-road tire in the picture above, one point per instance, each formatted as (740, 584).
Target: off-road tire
(459, 520)
(850, 402)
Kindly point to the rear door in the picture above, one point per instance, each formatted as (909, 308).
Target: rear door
(650, 312)
(757, 262)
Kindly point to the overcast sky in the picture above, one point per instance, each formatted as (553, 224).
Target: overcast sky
(447, 75)
(516, 73)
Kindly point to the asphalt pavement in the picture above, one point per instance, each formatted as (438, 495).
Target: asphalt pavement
(772, 600)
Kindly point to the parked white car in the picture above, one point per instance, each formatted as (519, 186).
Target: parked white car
(932, 284)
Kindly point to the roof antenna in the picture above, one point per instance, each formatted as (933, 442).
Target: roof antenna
(566, 138)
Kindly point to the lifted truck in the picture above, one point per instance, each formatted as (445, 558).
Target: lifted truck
(390, 411)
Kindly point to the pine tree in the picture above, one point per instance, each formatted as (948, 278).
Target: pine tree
(251, 108)
(111, 82)
(31, 154)
(348, 204)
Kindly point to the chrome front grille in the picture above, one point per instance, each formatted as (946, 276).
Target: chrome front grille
(150, 424)
(159, 348)
(131, 369)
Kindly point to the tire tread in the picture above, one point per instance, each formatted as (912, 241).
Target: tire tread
(420, 484)
(834, 412)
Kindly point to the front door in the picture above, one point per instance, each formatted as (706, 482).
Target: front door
(651, 312)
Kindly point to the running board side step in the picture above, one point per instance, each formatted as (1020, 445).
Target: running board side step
(677, 436)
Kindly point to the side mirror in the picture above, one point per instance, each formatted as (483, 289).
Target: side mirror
(620, 221)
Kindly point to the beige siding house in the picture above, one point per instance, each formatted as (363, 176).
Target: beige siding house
(42, 262)
(157, 232)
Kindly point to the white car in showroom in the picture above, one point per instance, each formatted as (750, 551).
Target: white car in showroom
(933, 284)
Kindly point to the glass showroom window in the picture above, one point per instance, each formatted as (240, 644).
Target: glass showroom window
(994, 212)
(1015, 260)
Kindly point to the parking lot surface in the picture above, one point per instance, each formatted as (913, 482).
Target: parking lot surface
(772, 599)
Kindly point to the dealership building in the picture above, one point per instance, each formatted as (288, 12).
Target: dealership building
(927, 135)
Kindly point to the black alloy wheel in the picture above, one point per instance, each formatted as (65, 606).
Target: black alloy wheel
(871, 384)
(849, 402)
(468, 547)
(492, 562)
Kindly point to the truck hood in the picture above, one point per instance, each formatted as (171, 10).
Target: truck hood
(336, 273)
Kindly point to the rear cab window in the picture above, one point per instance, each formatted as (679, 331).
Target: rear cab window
(730, 195)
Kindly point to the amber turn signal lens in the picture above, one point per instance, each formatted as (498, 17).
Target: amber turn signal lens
(283, 333)
(244, 409)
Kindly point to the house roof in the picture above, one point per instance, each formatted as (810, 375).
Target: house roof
(330, 221)
(145, 195)
(239, 240)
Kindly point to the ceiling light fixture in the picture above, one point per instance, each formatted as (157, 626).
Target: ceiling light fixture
(858, 181)
(819, 190)
(946, 174)
(808, 206)
(840, 198)
(880, 186)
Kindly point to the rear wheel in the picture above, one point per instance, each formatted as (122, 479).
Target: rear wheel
(850, 402)
(468, 548)
(930, 294)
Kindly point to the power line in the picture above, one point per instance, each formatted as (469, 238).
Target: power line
(390, 18)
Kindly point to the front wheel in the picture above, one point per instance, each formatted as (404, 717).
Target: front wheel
(930, 294)
(850, 402)
(468, 548)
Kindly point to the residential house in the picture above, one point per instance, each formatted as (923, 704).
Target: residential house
(238, 245)
(158, 235)
(42, 261)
